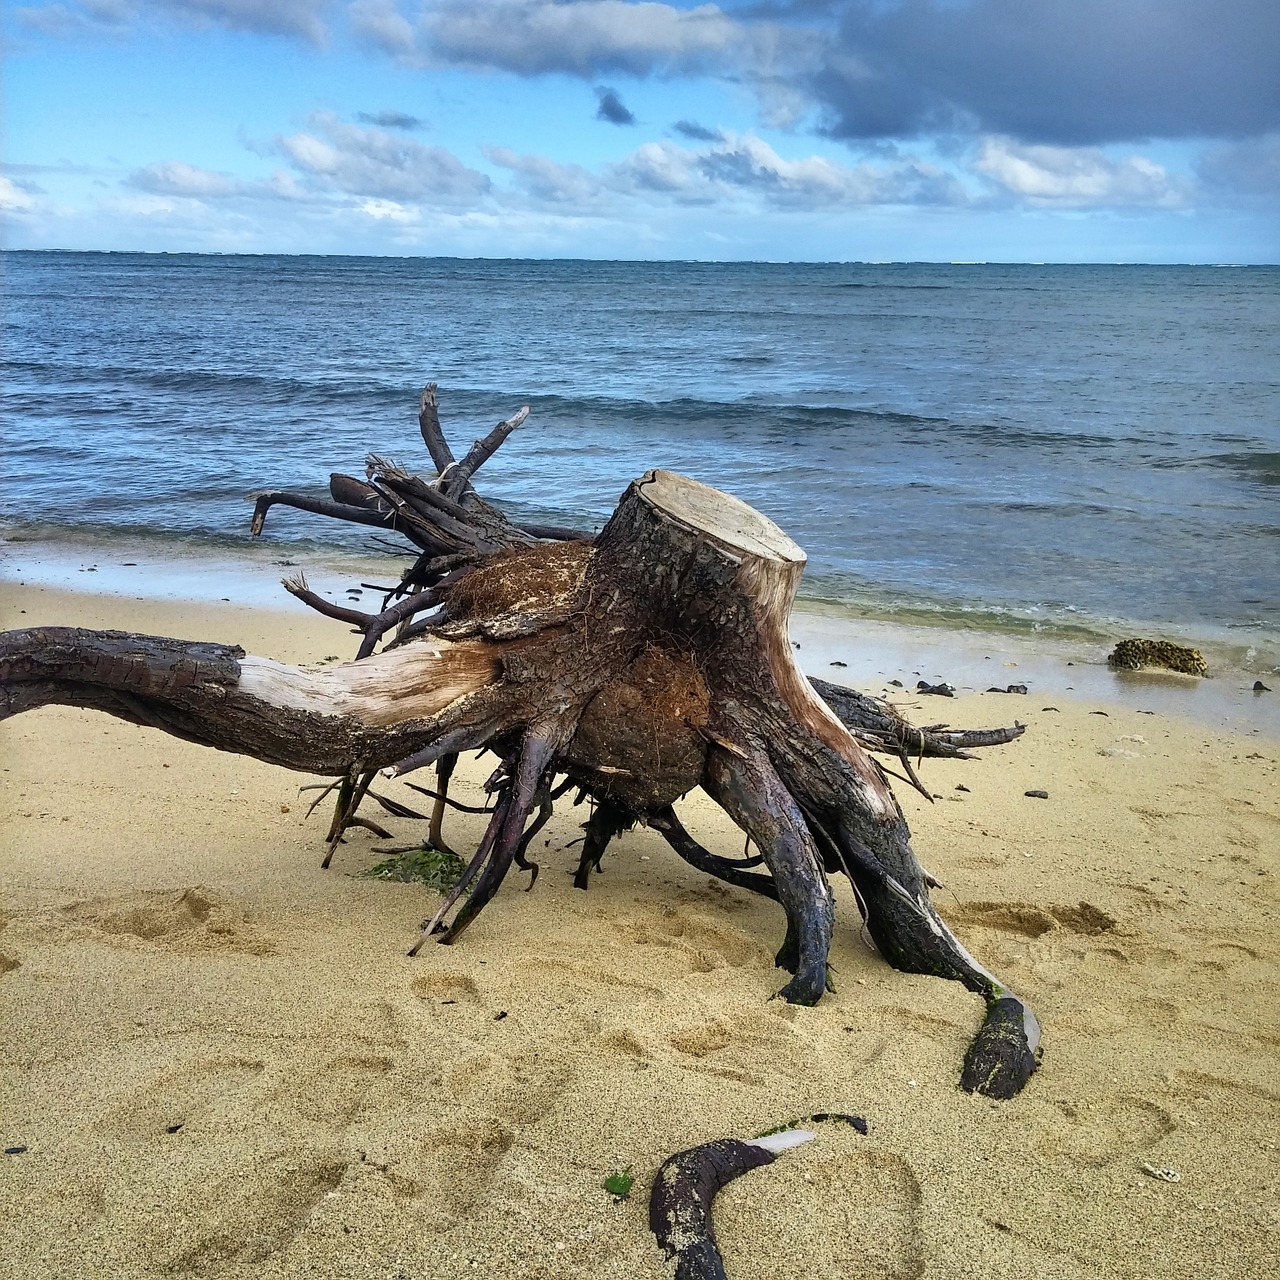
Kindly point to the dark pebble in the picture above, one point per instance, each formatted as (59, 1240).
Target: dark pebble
(838, 663)
(961, 787)
(1048, 708)
(14, 1151)
(1259, 687)
(1016, 688)
(498, 1017)
(1097, 713)
(942, 690)
(1037, 795)
(897, 684)
(174, 1128)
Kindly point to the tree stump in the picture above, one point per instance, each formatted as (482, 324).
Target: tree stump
(636, 666)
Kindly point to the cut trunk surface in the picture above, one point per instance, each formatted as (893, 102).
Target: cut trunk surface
(637, 665)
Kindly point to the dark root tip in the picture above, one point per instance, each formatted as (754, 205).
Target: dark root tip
(1000, 1060)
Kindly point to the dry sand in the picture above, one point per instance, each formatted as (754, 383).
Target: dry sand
(221, 1062)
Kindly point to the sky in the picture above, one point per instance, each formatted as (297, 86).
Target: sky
(781, 130)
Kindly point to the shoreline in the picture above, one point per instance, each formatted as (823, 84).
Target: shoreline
(219, 1061)
(873, 651)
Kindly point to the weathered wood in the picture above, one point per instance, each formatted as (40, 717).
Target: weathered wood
(639, 665)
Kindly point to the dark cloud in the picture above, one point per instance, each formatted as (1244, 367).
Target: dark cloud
(691, 129)
(390, 120)
(1065, 72)
(611, 108)
(587, 38)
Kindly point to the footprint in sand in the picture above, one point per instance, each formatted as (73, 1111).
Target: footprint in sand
(1221, 957)
(1096, 1131)
(250, 1219)
(1031, 921)
(520, 1089)
(445, 986)
(448, 1169)
(336, 1093)
(180, 1097)
(196, 919)
(1005, 917)
(709, 944)
(699, 1041)
(866, 1205)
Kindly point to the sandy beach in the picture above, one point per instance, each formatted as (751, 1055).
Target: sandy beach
(218, 1060)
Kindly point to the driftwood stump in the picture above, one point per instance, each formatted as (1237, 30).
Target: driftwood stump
(636, 665)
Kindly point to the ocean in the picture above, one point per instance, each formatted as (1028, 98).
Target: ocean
(1070, 451)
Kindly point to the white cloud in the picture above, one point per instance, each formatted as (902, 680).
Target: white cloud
(175, 178)
(15, 199)
(1075, 177)
(745, 167)
(381, 165)
(545, 180)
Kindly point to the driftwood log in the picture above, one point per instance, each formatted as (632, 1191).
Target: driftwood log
(635, 665)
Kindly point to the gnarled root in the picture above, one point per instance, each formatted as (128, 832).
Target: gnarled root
(639, 665)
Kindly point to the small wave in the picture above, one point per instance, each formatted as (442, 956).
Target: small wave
(1261, 468)
(872, 284)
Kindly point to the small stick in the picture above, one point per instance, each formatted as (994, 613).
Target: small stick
(444, 771)
(429, 425)
(459, 480)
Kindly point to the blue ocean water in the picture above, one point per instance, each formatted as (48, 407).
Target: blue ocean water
(1068, 449)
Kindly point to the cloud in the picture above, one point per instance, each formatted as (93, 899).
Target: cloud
(742, 168)
(611, 108)
(90, 17)
(373, 163)
(748, 163)
(390, 120)
(1250, 168)
(691, 129)
(1071, 177)
(16, 198)
(584, 38)
(547, 181)
(175, 178)
(737, 172)
(298, 19)
(1063, 72)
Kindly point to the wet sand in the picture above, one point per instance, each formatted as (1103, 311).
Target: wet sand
(221, 1062)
